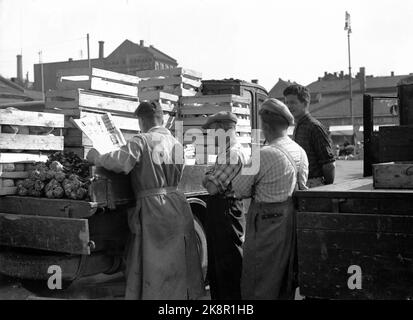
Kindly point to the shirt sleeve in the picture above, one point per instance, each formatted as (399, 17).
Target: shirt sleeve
(124, 159)
(242, 185)
(322, 145)
(303, 172)
(222, 174)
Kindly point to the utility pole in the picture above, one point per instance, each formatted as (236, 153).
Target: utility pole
(88, 53)
(42, 74)
(347, 27)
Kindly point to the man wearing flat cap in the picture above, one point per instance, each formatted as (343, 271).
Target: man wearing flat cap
(269, 262)
(225, 220)
(163, 261)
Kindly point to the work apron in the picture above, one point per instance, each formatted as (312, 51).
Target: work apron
(163, 260)
(270, 250)
(225, 226)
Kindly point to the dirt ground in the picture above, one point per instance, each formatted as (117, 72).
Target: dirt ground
(112, 287)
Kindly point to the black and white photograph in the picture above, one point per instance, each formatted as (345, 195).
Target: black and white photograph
(206, 155)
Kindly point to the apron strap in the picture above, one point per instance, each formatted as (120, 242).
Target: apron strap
(155, 192)
(290, 158)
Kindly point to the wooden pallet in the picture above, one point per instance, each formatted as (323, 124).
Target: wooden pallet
(69, 101)
(98, 80)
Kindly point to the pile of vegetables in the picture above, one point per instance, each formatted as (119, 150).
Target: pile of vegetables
(64, 175)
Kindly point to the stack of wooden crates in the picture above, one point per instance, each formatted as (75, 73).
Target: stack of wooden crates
(195, 110)
(83, 92)
(26, 137)
(167, 87)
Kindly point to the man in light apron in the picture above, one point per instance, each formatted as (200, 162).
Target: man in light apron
(225, 220)
(163, 260)
(270, 261)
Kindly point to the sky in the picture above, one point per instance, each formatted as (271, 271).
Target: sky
(257, 39)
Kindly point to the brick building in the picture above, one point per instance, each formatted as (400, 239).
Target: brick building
(128, 58)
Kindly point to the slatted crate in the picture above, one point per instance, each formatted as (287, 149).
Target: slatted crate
(98, 80)
(69, 102)
(178, 81)
(25, 137)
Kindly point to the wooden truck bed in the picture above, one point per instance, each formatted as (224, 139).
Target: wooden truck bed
(352, 224)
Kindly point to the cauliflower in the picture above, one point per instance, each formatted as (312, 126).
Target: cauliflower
(74, 188)
(54, 190)
(21, 189)
(56, 166)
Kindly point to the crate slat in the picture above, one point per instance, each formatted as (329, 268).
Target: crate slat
(30, 118)
(21, 158)
(215, 99)
(30, 142)
(212, 109)
(169, 73)
(105, 74)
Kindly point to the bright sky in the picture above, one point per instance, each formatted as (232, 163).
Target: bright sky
(259, 39)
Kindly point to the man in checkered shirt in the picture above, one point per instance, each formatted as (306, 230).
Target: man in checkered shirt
(225, 220)
(269, 267)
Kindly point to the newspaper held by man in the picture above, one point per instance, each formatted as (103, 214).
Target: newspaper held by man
(102, 131)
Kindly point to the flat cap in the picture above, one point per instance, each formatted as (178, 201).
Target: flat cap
(148, 109)
(278, 107)
(222, 116)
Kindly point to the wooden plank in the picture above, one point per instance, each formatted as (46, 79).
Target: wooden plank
(96, 101)
(169, 73)
(34, 265)
(359, 188)
(4, 191)
(199, 121)
(30, 142)
(105, 74)
(323, 273)
(212, 99)
(28, 118)
(211, 109)
(113, 87)
(172, 81)
(238, 128)
(14, 175)
(378, 224)
(21, 158)
(45, 233)
(63, 208)
(62, 104)
(157, 95)
(393, 175)
(56, 95)
(63, 84)
(395, 205)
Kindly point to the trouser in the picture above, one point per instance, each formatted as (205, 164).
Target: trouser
(270, 261)
(225, 225)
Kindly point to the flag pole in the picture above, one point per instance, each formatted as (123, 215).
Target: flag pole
(348, 28)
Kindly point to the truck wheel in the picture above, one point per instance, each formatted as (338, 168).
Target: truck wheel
(202, 246)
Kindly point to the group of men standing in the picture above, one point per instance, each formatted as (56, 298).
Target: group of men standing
(251, 255)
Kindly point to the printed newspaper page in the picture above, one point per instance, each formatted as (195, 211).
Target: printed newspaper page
(101, 129)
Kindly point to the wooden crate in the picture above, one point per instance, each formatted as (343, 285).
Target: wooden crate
(178, 81)
(69, 102)
(352, 224)
(98, 80)
(169, 102)
(36, 128)
(395, 143)
(393, 175)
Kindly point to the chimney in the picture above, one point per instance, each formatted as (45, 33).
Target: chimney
(142, 43)
(254, 81)
(20, 68)
(101, 50)
(335, 74)
(70, 59)
(392, 73)
(341, 74)
(362, 79)
(325, 74)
